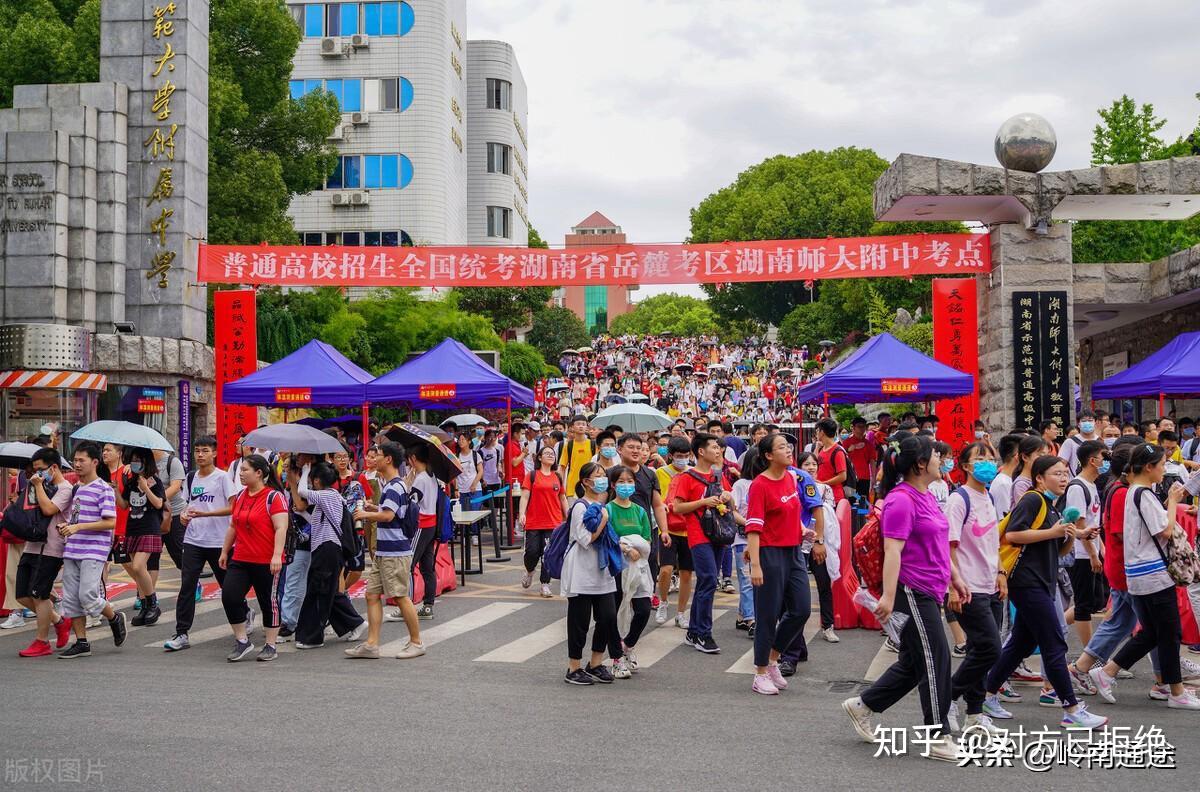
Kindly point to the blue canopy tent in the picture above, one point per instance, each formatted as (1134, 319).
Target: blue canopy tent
(449, 376)
(882, 370)
(1172, 371)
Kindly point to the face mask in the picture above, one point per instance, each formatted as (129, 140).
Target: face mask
(1189, 432)
(136, 467)
(626, 490)
(608, 453)
(1105, 466)
(662, 450)
(680, 464)
(600, 485)
(1110, 441)
(985, 471)
(979, 433)
(947, 465)
(1087, 427)
(479, 433)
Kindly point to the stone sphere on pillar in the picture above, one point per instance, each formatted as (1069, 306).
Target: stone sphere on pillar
(1026, 142)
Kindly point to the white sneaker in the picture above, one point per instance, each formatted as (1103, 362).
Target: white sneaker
(1159, 692)
(952, 717)
(410, 651)
(981, 721)
(860, 717)
(250, 614)
(829, 635)
(14, 620)
(674, 587)
(631, 656)
(1124, 673)
(1082, 719)
(1186, 701)
(93, 622)
(944, 750)
(1104, 684)
(660, 614)
(356, 634)
(527, 580)
(1190, 669)
(621, 669)
(393, 615)
(681, 621)
(546, 592)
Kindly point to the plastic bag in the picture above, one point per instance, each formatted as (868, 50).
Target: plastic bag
(895, 623)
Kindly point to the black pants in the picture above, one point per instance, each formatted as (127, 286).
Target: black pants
(824, 589)
(425, 559)
(641, 615)
(323, 602)
(194, 559)
(924, 662)
(980, 620)
(239, 578)
(1036, 625)
(492, 503)
(782, 603)
(581, 610)
(535, 547)
(1159, 616)
(173, 541)
(655, 546)
(1087, 588)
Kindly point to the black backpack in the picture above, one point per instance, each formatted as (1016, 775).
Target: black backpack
(851, 482)
(351, 550)
(719, 529)
(29, 525)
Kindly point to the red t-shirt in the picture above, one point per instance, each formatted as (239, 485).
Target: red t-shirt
(544, 512)
(830, 462)
(768, 390)
(773, 511)
(254, 534)
(1114, 547)
(687, 488)
(118, 485)
(862, 454)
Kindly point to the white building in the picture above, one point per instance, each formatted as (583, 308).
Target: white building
(408, 82)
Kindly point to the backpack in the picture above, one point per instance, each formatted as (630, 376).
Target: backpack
(445, 517)
(1180, 557)
(348, 537)
(718, 528)
(851, 482)
(27, 525)
(868, 552)
(1190, 448)
(1010, 554)
(571, 448)
(558, 544)
(410, 519)
(967, 502)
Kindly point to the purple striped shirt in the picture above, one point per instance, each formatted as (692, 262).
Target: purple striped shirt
(92, 503)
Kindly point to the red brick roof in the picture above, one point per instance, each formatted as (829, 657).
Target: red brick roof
(596, 220)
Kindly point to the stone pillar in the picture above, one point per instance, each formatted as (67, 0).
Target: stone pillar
(1022, 260)
(159, 49)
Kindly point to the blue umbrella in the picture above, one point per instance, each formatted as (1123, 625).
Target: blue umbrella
(123, 433)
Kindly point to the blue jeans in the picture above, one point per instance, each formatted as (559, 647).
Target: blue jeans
(705, 562)
(745, 589)
(295, 585)
(726, 561)
(1115, 629)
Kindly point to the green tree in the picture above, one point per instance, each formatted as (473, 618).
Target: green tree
(522, 362)
(535, 239)
(675, 313)
(555, 329)
(879, 315)
(919, 336)
(812, 195)
(507, 307)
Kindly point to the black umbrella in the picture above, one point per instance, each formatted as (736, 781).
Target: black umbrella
(443, 464)
(17, 455)
(685, 368)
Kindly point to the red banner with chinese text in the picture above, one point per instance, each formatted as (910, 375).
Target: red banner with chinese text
(235, 347)
(792, 259)
(956, 343)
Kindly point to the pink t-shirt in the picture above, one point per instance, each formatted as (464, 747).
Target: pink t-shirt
(916, 518)
(978, 538)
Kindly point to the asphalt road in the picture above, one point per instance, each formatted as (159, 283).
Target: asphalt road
(486, 708)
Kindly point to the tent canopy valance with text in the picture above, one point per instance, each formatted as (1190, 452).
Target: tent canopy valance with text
(791, 259)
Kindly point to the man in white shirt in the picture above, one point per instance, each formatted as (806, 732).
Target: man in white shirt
(1070, 447)
(1085, 572)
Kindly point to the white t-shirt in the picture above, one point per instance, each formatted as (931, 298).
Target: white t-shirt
(1069, 450)
(1001, 490)
(428, 486)
(1079, 494)
(469, 472)
(209, 493)
(978, 553)
(741, 503)
(940, 490)
(1145, 570)
(581, 572)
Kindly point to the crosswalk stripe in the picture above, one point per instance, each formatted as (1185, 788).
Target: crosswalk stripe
(660, 641)
(745, 663)
(880, 663)
(529, 646)
(457, 626)
(119, 604)
(103, 633)
(201, 636)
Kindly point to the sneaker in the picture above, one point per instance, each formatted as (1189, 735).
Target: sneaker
(393, 615)
(959, 650)
(691, 639)
(410, 651)
(37, 648)
(994, 709)
(891, 646)
(240, 650)
(981, 721)
(267, 653)
(786, 668)
(578, 677)
(302, 645)
(14, 620)
(750, 632)
(707, 645)
(1190, 669)
(62, 633)
(1083, 682)
(1025, 674)
(727, 586)
(681, 621)
(742, 624)
(1159, 692)
(762, 684)
(546, 592)
(944, 750)
(199, 593)
(1009, 694)
(952, 718)
(620, 669)
(660, 613)
(1082, 719)
(1049, 698)
(527, 580)
(178, 643)
(1104, 684)
(860, 718)
(356, 634)
(631, 656)
(599, 674)
(149, 615)
(775, 674)
(77, 649)
(285, 634)
(1124, 673)
(1187, 701)
(425, 613)
(829, 635)
(250, 617)
(364, 651)
(92, 622)
(119, 629)
(674, 587)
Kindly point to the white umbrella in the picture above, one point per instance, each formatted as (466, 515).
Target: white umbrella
(632, 417)
(638, 397)
(295, 438)
(465, 419)
(123, 433)
(558, 386)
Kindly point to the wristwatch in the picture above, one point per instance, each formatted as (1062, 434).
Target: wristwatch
(818, 541)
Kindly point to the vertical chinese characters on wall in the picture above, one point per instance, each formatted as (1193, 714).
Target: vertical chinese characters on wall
(159, 145)
(1040, 358)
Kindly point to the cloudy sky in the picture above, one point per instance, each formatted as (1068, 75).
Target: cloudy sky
(641, 108)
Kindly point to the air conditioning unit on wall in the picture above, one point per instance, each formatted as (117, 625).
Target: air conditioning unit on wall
(331, 47)
(359, 119)
(360, 199)
(341, 199)
(338, 133)
(360, 40)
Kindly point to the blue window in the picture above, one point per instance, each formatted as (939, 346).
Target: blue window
(311, 85)
(371, 19)
(351, 176)
(335, 87)
(406, 171)
(387, 19)
(352, 96)
(314, 20)
(296, 88)
(333, 20)
(406, 94)
(390, 171)
(390, 19)
(349, 19)
(334, 182)
(371, 171)
(406, 18)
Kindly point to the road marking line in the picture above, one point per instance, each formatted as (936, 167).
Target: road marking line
(745, 663)
(880, 663)
(104, 632)
(661, 641)
(480, 617)
(529, 646)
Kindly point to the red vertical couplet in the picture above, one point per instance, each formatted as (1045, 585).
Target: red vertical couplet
(235, 342)
(956, 343)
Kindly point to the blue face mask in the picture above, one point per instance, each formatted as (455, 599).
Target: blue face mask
(1189, 431)
(600, 485)
(662, 451)
(1105, 466)
(985, 471)
(626, 490)
(947, 465)
(680, 464)
(479, 433)
(1110, 441)
(1087, 427)
(608, 452)
(136, 467)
